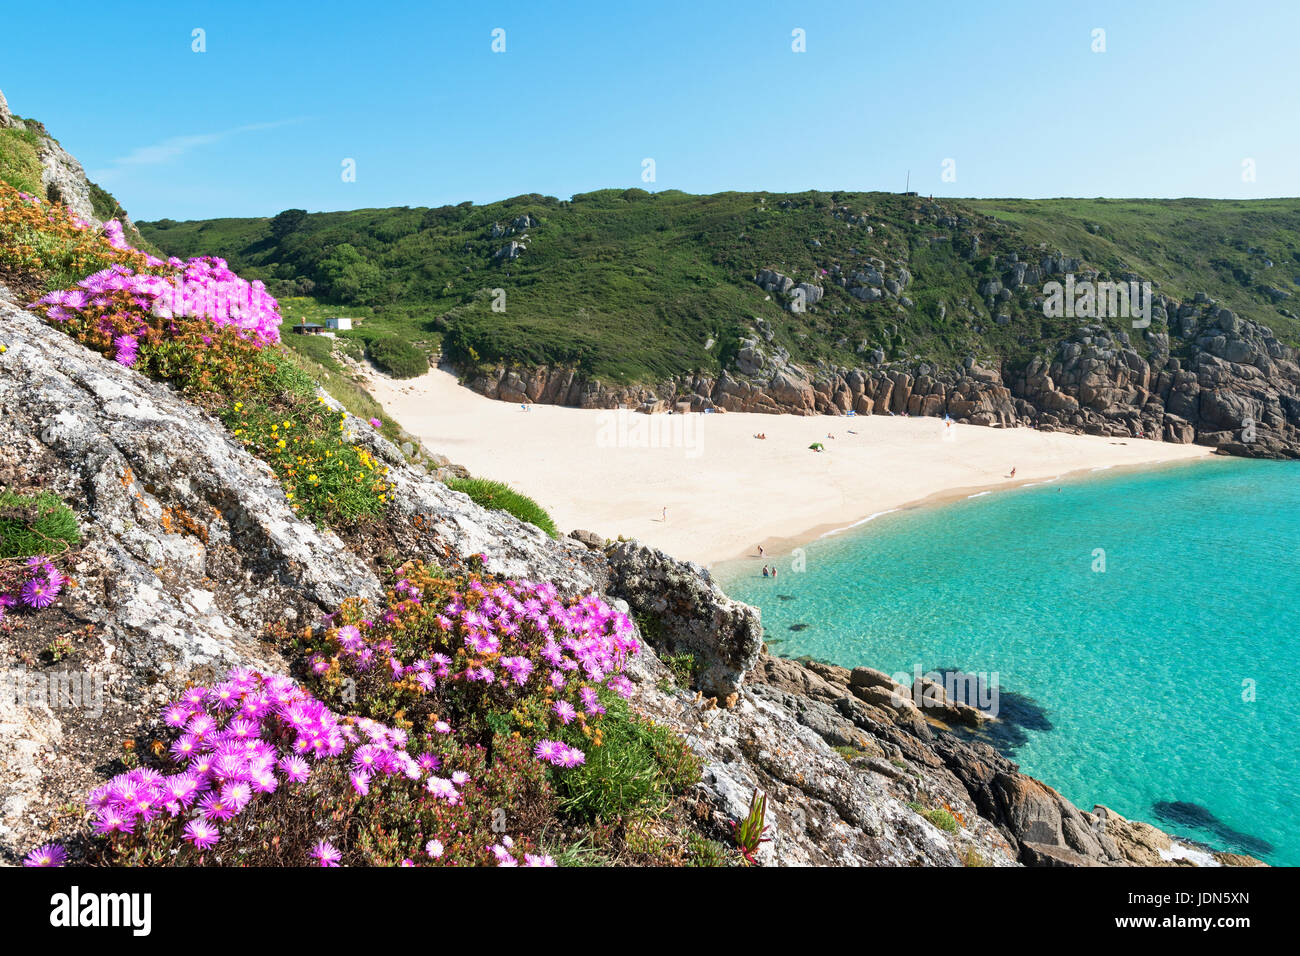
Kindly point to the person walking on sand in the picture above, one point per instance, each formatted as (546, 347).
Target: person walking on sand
(760, 550)
(1013, 473)
(664, 517)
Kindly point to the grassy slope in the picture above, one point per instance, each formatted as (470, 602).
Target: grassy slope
(19, 164)
(631, 286)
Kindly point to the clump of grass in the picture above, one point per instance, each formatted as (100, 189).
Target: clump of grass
(683, 667)
(635, 771)
(705, 852)
(971, 857)
(940, 818)
(35, 524)
(498, 496)
(20, 164)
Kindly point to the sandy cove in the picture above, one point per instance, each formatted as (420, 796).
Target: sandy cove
(726, 491)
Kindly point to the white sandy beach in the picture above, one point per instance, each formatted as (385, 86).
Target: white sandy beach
(726, 491)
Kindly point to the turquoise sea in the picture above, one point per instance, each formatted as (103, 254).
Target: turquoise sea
(1164, 686)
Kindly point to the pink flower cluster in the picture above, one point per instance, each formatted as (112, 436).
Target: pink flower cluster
(517, 636)
(113, 233)
(504, 852)
(202, 287)
(40, 590)
(246, 737)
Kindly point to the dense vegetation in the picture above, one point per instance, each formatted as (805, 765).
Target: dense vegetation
(173, 321)
(633, 286)
(495, 731)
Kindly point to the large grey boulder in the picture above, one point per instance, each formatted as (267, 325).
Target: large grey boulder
(691, 615)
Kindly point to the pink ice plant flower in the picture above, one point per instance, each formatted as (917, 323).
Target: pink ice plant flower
(50, 855)
(204, 287)
(326, 854)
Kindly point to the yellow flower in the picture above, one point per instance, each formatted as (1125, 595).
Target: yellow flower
(238, 405)
(286, 425)
(280, 443)
(313, 479)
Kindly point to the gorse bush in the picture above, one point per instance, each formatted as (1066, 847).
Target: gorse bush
(496, 495)
(305, 442)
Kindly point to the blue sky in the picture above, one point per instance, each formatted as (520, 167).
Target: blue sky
(1012, 92)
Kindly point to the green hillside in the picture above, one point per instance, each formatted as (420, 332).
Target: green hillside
(632, 286)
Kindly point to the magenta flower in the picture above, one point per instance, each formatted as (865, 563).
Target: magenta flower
(564, 710)
(38, 593)
(361, 783)
(202, 834)
(376, 422)
(549, 751)
(325, 852)
(571, 757)
(52, 854)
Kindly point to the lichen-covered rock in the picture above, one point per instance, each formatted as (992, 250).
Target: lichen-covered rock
(65, 180)
(691, 615)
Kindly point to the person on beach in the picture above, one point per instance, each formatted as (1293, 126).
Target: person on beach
(664, 516)
(765, 574)
(760, 550)
(1013, 472)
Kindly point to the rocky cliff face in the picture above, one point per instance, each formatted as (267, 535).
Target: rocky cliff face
(1210, 376)
(62, 175)
(191, 551)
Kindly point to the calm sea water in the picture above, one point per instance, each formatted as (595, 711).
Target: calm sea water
(1129, 686)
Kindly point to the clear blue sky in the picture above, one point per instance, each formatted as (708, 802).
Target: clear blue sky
(1011, 91)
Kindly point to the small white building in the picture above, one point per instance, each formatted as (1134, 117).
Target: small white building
(338, 324)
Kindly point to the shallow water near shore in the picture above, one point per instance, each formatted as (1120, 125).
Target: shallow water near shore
(1143, 629)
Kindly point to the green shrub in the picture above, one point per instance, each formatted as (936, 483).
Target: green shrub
(498, 496)
(35, 524)
(397, 357)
